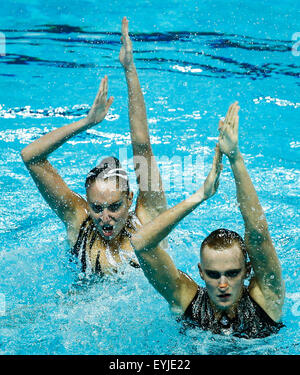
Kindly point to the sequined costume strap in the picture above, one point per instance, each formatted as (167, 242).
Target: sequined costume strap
(87, 229)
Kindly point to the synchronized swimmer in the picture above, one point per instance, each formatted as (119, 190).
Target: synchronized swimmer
(225, 305)
(102, 224)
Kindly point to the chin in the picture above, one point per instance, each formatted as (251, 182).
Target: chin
(107, 238)
(224, 306)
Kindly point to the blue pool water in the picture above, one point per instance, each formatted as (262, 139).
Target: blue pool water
(194, 59)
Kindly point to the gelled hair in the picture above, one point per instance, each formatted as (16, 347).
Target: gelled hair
(109, 167)
(223, 239)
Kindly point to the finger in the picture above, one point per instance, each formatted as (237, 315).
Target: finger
(232, 117)
(125, 29)
(228, 113)
(128, 43)
(124, 26)
(235, 109)
(124, 37)
(221, 128)
(233, 113)
(101, 84)
(105, 86)
(236, 124)
(229, 119)
(100, 90)
(235, 117)
(109, 103)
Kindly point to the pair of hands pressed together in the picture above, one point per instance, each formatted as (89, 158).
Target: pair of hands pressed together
(227, 145)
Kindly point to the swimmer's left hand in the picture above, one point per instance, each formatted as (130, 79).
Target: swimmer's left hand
(211, 183)
(101, 105)
(126, 56)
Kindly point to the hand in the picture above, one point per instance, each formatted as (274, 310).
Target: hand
(101, 105)
(126, 57)
(211, 183)
(228, 137)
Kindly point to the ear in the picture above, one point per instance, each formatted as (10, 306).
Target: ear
(200, 271)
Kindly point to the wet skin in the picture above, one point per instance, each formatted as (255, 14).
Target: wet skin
(223, 272)
(108, 207)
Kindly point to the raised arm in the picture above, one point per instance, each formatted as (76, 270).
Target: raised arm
(60, 198)
(151, 200)
(175, 286)
(267, 287)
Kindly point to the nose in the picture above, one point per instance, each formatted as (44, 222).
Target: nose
(223, 283)
(105, 216)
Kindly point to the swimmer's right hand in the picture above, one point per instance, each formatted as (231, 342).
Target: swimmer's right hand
(211, 183)
(101, 105)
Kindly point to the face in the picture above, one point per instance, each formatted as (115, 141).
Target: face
(108, 207)
(224, 272)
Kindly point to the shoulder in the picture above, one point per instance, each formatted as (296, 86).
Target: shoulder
(269, 302)
(187, 291)
(194, 308)
(74, 224)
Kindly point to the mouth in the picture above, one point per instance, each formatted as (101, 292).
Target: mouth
(224, 296)
(107, 230)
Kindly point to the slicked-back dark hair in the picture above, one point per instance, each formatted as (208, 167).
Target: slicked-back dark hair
(102, 171)
(223, 238)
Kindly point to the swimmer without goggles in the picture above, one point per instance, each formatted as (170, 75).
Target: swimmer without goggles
(116, 173)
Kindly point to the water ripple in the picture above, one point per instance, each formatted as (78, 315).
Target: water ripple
(203, 46)
(74, 112)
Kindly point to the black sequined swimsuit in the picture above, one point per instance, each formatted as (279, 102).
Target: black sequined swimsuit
(250, 321)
